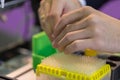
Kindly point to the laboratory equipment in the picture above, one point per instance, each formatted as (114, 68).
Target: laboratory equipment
(2, 3)
(42, 49)
(72, 67)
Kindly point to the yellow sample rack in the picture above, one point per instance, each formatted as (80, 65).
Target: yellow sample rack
(67, 75)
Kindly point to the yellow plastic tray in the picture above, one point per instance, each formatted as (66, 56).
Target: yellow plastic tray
(67, 75)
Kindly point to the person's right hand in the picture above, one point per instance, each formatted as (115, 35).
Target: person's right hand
(51, 10)
(87, 28)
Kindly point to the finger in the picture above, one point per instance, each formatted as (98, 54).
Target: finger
(51, 21)
(43, 12)
(71, 17)
(45, 7)
(47, 28)
(52, 16)
(71, 6)
(72, 27)
(75, 35)
(57, 8)
(60, 49)
(79, 45)
(55, 13)
(48, 31)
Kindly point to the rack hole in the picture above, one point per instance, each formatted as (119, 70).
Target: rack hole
(111, 64)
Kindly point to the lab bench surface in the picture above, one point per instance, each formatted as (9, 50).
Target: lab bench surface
(24, 73)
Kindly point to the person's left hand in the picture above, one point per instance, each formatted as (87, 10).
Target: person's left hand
(87, 28)
(50, 12)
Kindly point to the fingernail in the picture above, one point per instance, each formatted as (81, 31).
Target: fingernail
(54, 44)
(60, 49)
(53, 36)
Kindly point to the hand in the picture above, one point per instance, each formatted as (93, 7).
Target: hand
(51, 11)
(87, 28)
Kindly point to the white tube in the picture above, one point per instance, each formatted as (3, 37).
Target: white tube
(83, 2)
(2, 3)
